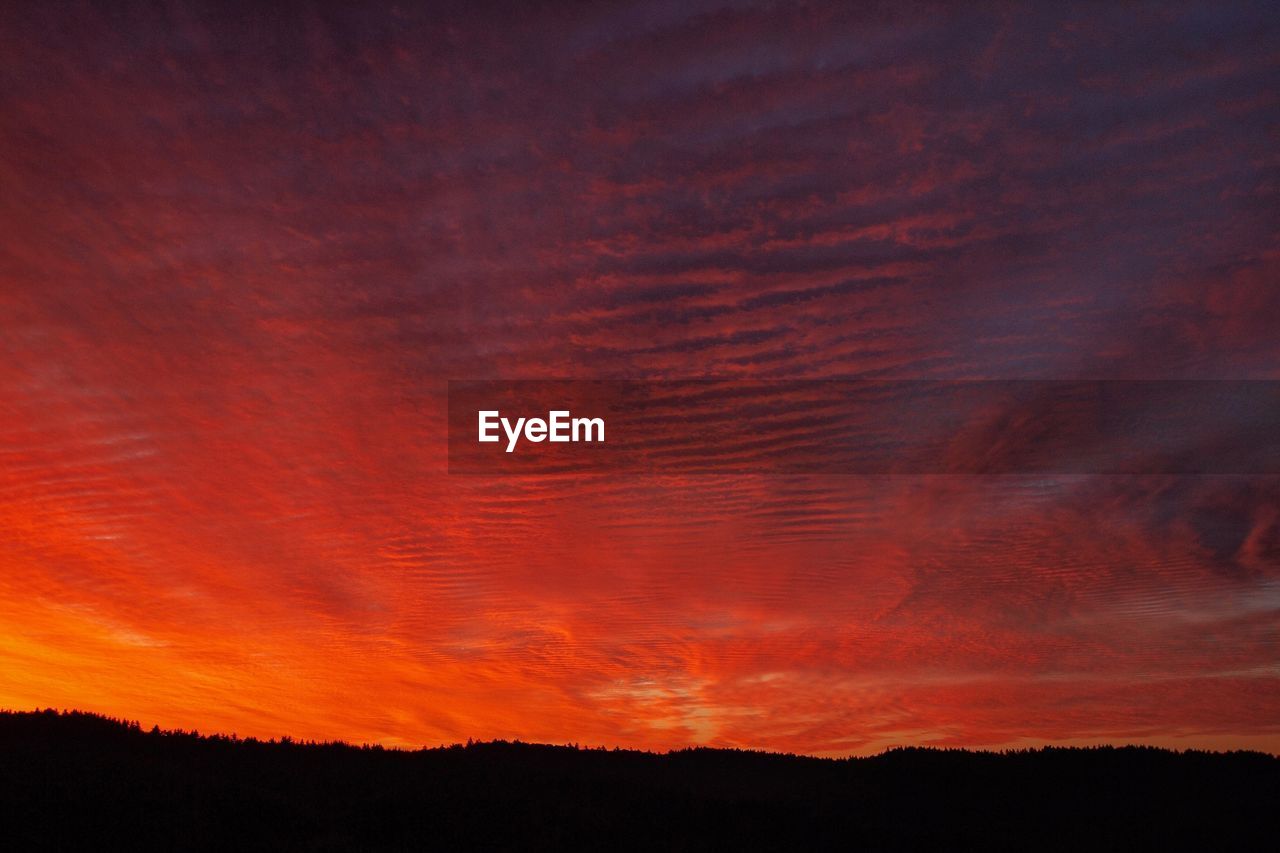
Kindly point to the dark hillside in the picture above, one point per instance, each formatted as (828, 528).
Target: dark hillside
(70, 781)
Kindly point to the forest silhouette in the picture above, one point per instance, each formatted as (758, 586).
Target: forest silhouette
(74, 780)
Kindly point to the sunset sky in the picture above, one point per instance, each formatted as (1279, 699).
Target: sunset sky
(242, 253)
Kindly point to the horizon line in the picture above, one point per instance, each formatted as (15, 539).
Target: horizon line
(290, 740)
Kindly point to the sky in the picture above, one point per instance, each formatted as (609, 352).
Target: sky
(244, 247)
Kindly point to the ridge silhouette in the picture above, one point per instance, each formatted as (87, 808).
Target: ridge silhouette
(74, 780)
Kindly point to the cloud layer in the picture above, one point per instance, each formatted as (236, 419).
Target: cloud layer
(244, 250)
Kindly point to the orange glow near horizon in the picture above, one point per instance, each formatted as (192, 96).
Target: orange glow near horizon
(240, 261)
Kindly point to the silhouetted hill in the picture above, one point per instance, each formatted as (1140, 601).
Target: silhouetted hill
(71, 781)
